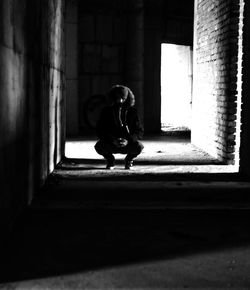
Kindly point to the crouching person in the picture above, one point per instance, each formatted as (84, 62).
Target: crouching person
(119, 128)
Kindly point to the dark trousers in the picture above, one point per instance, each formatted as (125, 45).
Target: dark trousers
(107, 149)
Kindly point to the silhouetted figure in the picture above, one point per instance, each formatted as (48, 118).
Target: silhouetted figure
(119, 128)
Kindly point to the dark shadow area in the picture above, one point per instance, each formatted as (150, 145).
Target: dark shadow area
(173, 191)
(47, 243)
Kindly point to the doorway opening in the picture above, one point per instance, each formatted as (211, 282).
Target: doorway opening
(176, 87)
(178, 104)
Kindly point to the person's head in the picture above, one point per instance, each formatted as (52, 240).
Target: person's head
(118, 94)
(121, 95)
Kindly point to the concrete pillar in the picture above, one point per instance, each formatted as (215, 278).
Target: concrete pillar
(134, 65)
(152, 69)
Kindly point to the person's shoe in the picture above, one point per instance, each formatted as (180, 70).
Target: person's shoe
(110, 164)
(128, 164)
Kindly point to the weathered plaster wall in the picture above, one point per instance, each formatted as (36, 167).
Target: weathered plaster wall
(31, 86)
(52, 79)
(14, 148)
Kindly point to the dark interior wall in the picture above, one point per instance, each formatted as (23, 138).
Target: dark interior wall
(153, 22)
(110, 37)
(134, 53)
(102, 34)
(178, 18)
(52, 80)
(169, 22)
(71, 69)
(31, 79)
(120, 42)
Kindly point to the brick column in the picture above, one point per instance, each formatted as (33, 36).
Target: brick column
(245, 116)
(216, 78)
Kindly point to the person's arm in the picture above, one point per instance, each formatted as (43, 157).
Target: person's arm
(135, 127)
(102, 127)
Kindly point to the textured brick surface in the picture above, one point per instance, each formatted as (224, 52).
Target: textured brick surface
(215, 77)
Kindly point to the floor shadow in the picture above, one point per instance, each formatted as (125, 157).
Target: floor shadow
(70, 169)
(47, 243)
(142, 177)
(85, 163)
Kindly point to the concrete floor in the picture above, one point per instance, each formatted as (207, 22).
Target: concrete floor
(89, 228)
(161, 154)
(129, 249)
(170, 173)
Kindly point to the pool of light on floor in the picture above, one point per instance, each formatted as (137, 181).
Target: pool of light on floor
(158, 157)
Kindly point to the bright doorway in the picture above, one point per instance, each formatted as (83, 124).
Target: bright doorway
(176, 87)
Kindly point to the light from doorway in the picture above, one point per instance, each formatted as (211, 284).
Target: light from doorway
(176, 87)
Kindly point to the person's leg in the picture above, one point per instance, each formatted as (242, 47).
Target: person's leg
(133, 149)
(106, 149)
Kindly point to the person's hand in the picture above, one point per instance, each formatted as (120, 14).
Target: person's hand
(121, 142)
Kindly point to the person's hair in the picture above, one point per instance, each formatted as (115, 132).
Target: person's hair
(125, 91)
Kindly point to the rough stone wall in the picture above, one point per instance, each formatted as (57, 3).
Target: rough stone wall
(215, 94)
(31, 78)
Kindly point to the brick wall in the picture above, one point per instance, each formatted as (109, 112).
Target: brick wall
(216, 77)
(245, 130)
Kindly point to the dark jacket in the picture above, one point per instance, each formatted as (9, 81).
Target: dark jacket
(127, 126)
